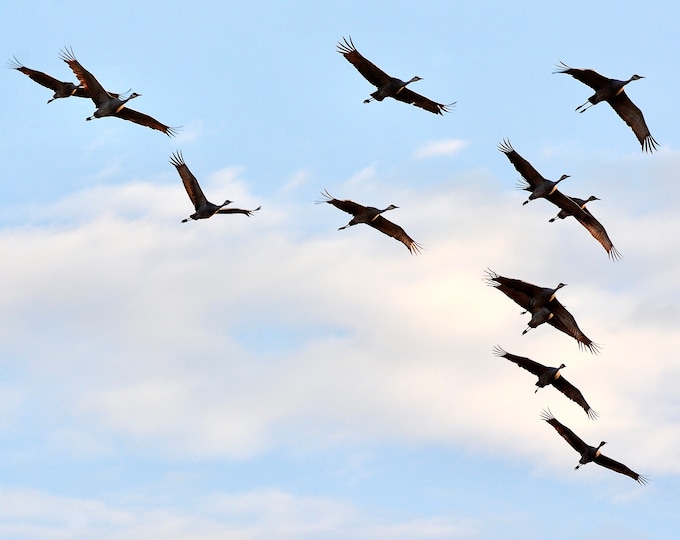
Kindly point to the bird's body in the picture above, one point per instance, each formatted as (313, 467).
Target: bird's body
(533, 181)
(543, 305)
(590, 453)
(572, 206)
(549, 376)
(612, 91)
(203, 208)
(387, 86)
(109, 104)
(372, 216)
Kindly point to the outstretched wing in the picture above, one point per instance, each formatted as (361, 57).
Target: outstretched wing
(145, 120)
(512, 288)
(409, 96)
(565, 322)
(189, 180)
(632, 116)
(586, 76)
(345, 205)
(395, 231)
(609, 463)
(371, 72)
(237, 211)
(41, 78)
(94, 88)
(568, 435)
(585, 218)
(529, 174)
(574, 394)
(523, 362)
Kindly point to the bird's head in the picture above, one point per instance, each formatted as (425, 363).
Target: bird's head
(391, 207)
(225, 203)
(593, 198)
(562, 366)
(415, 79)
(563, 177)
(133, 96)
(560, 285)
(636, 77)
(601, 444)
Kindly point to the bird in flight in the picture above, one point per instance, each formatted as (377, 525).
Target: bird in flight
(372, 216)
(612, 91)
(388, 86)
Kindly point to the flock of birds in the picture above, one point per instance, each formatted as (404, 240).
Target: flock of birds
(540, 302)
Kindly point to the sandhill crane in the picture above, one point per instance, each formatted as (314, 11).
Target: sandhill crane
(107, 104)
(204, 208)
(589, 453)
(546, 189)
(549, 376)
(62, 89)
(387, 86)
(371, 216)
(612, 91)
(585, 218)
(533, 299)
(532, 180)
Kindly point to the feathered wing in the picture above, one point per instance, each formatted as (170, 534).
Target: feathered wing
(523, 362)
(145, 120)
(345, 205)
(237, 211)
(632, 115)
(43, 79)
(597, 230)
(565, 322)
(523, 167)
(585, 218)
(574, 394)
(395, 231)
(568, 435)
(189, 180)
(508, 286)
(587, 76)
(95, 90)
(609, 463)
(409, 96)
(371, 72)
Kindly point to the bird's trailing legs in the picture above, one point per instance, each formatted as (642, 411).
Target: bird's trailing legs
(583, 108)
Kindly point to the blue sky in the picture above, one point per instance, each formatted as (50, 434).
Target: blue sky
(272, 377)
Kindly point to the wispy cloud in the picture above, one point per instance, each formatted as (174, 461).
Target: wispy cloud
(445, 147)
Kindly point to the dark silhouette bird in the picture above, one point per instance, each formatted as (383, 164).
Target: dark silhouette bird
(387, 86)
(204, 208)
(543, 305)
(108, 104)
(590, 453)
(572, 206)
(549, 376)
(371, 216)
(612, 91)
(532, 180)
(62, 89)
(546, 189)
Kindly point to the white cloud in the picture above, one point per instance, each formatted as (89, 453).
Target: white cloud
(439, 148)
(151, 330)
(252, 515)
